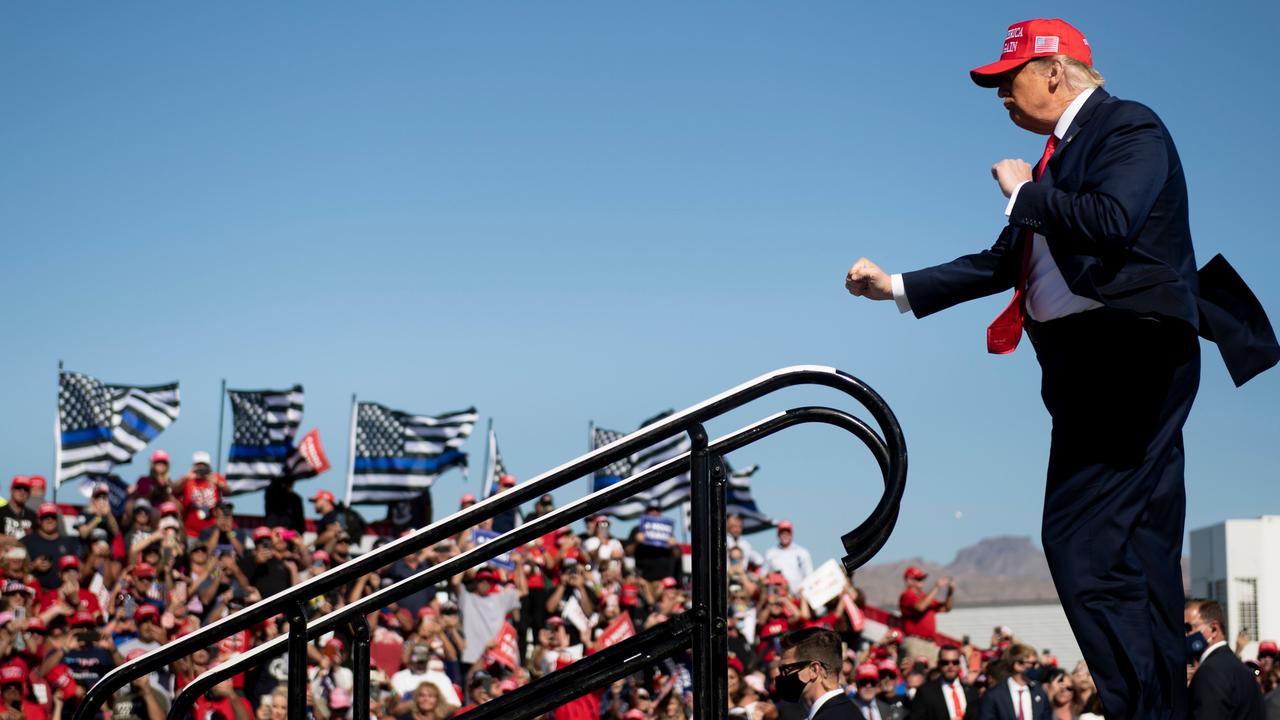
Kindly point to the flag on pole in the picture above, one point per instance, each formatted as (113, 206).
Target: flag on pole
(668, 493)
(264, 424)
(739, 500)
(493, 474)
(101, 425)
(399, 454)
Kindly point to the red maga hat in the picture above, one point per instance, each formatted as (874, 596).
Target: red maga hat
(21, 481)
(48, 509)
(323, 495)
(786, 525)
(83, 618)
(146, 612)
(914, 573)
(1268, 647)
(867, 671)
(66, 562)
(1030, 39)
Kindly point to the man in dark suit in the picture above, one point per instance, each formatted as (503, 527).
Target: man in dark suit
(1222, 687)
(945, 698)
(1017, 698)
(1098, 250)
(809, 673)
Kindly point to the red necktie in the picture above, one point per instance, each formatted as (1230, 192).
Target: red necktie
(955, 700)
(1005, 331)
(1020, 715)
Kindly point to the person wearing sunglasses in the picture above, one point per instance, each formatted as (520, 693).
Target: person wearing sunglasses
(808, 673)
(866, 702)
(946, 698)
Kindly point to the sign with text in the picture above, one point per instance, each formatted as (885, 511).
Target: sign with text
(823, 584)
(480, 536)
(505, 649)
(620, 629)
(658, 530)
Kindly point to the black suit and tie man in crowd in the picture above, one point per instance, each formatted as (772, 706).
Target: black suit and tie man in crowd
(946, 698)
(809, 673)
(1222, 688)
(1098, 251)
(1017, 698)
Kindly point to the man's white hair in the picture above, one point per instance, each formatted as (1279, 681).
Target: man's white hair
(1079, 77)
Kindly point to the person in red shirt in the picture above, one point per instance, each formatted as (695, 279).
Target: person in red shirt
(201, 490)
(222, 703)
(920, 611)
(13, 688)
(69, 592)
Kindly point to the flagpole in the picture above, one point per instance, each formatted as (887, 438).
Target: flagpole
(351, 451)
(591, 445)
(222, 414)
(57, 437)
(488, 471)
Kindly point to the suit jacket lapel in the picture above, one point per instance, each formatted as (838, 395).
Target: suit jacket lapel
(1082, 118)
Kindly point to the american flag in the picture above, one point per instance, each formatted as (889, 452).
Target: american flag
(668, 493)
(265, 423)
(103, 425)
(399, 454)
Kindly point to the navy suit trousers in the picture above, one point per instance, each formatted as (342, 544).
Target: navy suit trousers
(1119, 388)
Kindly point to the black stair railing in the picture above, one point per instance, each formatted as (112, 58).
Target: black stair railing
(702, 628)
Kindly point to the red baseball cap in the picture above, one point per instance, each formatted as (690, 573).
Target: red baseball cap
(507, 480)
(323, 495)
(669, 583)
(168, 507)
(1030, 39)
(736, 664)
(159, 456)
(261, 532)
(68, 561)
(786, 525)
(146, 612)
(486, 574)
(1268, 647)
(888, 666)
(144, 570)
(914, 573)
(868, 671)
(60, 678)
(83, 618)
(48, 509)
(467, 498)
(21, 481)
(12, 674)
(775, 578)
(35, 624)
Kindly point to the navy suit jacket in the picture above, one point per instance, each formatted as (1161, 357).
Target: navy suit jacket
(997, 704)
(1224, 689)
(1112, 206)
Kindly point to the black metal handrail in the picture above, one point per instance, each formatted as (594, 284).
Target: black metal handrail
(860, 544)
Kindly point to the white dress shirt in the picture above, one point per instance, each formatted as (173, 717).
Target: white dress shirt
(822, 699)
(1048, 296)
(1211, 648)
(952, 710)
(1020, 693)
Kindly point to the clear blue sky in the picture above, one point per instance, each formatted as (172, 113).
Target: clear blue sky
(569, 211)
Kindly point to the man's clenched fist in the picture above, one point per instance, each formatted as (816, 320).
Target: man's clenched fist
(866, 279)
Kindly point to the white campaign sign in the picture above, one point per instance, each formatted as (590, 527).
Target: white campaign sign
(823, 585)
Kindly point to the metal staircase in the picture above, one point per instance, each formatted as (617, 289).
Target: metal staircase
(701, 628)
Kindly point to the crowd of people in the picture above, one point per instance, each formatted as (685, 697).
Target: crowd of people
(133, 570)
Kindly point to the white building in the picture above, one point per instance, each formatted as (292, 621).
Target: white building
(1043, 625)
(1237, 563)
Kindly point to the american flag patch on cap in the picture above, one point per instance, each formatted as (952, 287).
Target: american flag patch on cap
(1046, 44)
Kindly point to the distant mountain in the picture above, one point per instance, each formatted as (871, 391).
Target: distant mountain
(1006, 568)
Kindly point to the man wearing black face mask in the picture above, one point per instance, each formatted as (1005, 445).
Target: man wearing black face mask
(810, 661)
(1222, 687)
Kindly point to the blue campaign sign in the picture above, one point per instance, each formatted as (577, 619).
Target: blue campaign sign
(657, 530)
(503, 561)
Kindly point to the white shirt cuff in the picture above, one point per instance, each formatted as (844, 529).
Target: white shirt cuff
(1013, 198)
(900, 293)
